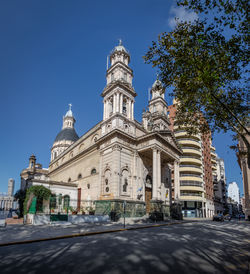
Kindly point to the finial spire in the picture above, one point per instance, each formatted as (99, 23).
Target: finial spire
(120, 41)
(70, 105)
(157, 76)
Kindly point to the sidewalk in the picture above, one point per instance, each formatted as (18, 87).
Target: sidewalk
(14, 234)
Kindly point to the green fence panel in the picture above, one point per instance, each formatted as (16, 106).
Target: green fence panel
(32, 209)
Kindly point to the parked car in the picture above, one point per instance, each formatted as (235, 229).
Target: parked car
(218, 218)
(228, 217)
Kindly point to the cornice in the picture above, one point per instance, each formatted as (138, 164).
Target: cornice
(55, 183)
(119, 83)
(119, 64)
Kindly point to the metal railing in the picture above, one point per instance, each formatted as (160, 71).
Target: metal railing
(195, 166)
(190, 183)
(191, 194)
(194, 157)
(190, 175)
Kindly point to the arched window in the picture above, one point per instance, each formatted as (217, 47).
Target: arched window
(149, 179)
(125, 185)
(52, 203)
(66, 201)
(125, 175)
(107, 176)
(79, 176)
(69, 180)
(93, 171)
(124, 107)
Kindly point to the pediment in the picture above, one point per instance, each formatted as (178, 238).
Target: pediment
(169, 136)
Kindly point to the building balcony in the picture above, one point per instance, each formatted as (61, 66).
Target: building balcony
(213, 160)
(216, 188)
(213, 155)
(191, 188)
(183, 133)
(190, 168)
(190, 183)
(191, 195)
(214, 167)
(190, 160)
(191, 177)
(191, 151)
(189, 141)
(212, 148)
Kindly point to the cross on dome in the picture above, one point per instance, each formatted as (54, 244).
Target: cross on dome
(69, 112)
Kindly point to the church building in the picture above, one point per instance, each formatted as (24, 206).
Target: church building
(120, 159)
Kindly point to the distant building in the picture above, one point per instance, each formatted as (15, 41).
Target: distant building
(234, 192)
(11, 186)
(219, 178)
(7, 200)
(233, 207)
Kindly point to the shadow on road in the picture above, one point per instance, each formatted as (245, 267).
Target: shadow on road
(187, 248)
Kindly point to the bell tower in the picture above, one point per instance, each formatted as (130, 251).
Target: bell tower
(119, 94)
(156, 116)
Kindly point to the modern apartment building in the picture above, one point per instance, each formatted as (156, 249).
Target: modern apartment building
(234, 192)
(196, 181)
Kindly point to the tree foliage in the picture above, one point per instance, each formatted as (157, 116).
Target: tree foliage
(20, 196)
(206, 63)
(38, 191)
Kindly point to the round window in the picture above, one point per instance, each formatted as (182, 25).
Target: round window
(107, 189)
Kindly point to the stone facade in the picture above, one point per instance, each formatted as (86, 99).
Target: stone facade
(119, 159)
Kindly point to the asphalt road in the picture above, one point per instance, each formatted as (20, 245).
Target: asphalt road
(204, 247)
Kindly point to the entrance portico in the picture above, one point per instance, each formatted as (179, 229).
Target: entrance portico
(158, 160)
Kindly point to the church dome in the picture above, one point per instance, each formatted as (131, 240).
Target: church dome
(67, 134)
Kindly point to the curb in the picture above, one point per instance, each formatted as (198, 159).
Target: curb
(87, 234)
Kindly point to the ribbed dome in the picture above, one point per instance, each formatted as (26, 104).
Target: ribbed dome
(67, 134)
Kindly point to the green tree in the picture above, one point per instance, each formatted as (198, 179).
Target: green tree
(206, 63)
(20, 196)
(38, 191)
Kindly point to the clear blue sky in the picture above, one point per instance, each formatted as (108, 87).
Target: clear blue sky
(53, 53)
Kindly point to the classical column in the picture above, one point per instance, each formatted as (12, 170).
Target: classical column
(129, 108)
(154, 184)
(114, 102)
(132, 111)
(107, 109)
(104, 110)
(100, 175)
(117, 105)
(116, 159)
(121, 102)
(158, 173)
(176, 180)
